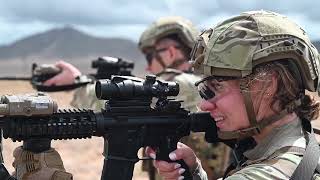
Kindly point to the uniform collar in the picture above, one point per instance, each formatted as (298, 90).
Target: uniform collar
(290, 134)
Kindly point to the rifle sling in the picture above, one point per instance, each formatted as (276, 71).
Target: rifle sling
(308, 164)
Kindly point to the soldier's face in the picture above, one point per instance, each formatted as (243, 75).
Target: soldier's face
(161, 53)
(153, 64)
(225, 104)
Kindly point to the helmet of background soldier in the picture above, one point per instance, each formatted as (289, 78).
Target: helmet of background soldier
(166, 26)
(234, 47)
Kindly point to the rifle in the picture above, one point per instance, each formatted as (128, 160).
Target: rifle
(127, 123)
(43, 72)
(106, 67)
(39, 74)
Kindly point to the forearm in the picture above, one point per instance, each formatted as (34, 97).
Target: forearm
(198, 172)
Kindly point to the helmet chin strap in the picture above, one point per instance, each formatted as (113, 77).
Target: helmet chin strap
(160, 61)
(173, 65)
(255, 126)
(177, 63)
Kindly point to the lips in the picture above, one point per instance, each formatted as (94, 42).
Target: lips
(219, 120)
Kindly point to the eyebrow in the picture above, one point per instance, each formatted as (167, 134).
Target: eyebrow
(213, 83)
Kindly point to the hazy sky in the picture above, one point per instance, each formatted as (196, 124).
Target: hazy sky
(128, 18)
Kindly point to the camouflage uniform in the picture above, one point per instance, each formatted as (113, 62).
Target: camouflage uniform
(232, 49)
(85, 97)
(270, 159)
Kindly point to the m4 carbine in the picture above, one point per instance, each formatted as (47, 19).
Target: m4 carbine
(127, 123)
(106, 67)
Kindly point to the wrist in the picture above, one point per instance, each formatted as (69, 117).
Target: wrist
(195, 169)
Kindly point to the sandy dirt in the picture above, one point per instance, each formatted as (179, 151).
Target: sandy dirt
(83, 158)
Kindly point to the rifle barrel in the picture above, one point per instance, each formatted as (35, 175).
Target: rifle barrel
(15, 78)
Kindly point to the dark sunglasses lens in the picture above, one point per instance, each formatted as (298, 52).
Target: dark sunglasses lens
(149, 57)
(206, 93)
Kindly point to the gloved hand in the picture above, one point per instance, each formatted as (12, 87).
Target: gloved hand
(46, 165)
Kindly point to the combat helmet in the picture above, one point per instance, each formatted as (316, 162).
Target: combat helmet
(166, 26)
(234, 47)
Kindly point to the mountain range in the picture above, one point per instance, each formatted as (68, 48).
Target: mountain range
(69, 44)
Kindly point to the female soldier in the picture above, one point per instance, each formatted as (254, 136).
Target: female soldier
(256, 68)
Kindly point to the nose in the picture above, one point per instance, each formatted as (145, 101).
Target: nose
(207, 105)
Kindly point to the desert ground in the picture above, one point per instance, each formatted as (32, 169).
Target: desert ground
(83, 158)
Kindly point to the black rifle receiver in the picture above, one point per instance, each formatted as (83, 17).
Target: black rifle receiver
(128, 123)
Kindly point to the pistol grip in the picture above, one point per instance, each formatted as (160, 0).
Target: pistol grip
(163, 154)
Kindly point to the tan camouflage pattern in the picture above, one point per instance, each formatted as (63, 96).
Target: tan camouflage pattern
(280, 167)
(316, 177)
(85, 97)
(165, 26)
(47, 165)
(214, 158)
(276, 156)
(235, 46)
(188, 92)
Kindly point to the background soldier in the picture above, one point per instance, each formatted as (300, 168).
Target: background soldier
(167, 45)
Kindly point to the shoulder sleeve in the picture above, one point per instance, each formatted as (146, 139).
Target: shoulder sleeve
(188, 91)
(85, 97)
(281, 167)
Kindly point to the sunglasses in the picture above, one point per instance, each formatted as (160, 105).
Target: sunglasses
(152, 53)
(205, 91)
